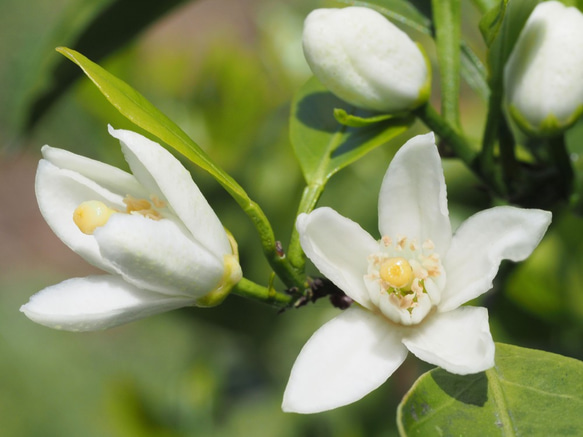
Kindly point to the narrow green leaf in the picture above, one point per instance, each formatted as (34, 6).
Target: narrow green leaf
(528, 393)
(352, 120)
(141, 112)
(322, 145)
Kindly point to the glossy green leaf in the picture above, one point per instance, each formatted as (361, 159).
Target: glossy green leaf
(322, 145)
(136, 107)
(352, 120)
(527, 393)
(111, 25)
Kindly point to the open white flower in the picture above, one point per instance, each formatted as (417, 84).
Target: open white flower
(408, 285)
(152, 231)
(366, 60)
(542, 78)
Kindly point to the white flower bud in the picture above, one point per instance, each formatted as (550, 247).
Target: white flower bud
(543, 75)
(365, 60)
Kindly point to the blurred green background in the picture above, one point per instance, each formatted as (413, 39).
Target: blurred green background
(225, 71)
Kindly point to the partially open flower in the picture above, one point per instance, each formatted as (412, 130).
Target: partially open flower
(364, 59)
(542, 78)
(152, 231)
(408, 286)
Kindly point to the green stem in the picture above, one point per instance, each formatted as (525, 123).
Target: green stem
(447, 22)
(460, 147)
(278, 262)
(562, 162)
(511, 170)
(488, 168)
(310, 197)
(251, 290)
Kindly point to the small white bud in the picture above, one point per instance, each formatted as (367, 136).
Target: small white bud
(543, 76)
(365, 60)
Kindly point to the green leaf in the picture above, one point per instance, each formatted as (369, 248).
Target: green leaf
(528, 393)
(352, 120)
(136, 108)
(322, 145)
(112, 25)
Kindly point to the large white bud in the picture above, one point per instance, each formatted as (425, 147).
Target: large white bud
(365, 60)
(543, 77)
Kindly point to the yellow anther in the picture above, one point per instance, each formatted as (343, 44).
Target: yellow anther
(397, 273)
(134, 204)
(143, 207)
(92, 214)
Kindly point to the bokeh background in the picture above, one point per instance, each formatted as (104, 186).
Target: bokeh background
(225, 71)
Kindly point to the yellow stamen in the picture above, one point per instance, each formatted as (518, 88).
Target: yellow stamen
(143, 207)
(92, 214)
(397, 273)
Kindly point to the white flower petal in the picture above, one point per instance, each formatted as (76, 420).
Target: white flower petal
(458, 341)
(413, 197)
(111, 178)
(163, 175)
(345, 359)
(158, 256)
(59, 192)
(95, 302)
(339, 248)
(481, 243)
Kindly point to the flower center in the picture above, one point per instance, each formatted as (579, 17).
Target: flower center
(397, 273)
(92, 214)
(404, 279)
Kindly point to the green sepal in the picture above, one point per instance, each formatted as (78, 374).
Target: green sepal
(231, 277)
(352, 120)
(549, 127)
